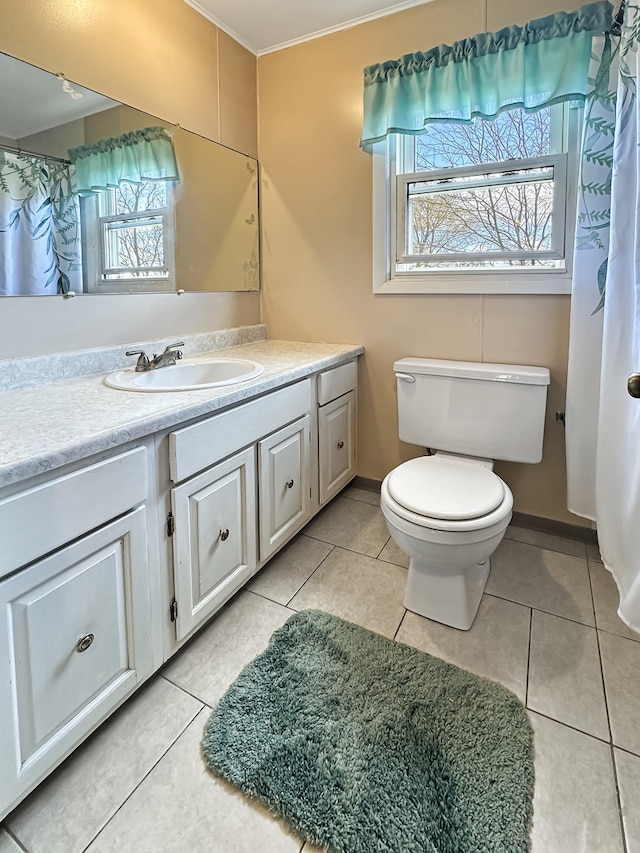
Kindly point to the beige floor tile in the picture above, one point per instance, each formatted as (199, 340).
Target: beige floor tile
(496, 646)
(181, 808)
(351, 524)
(283, 576)
(621, 665)
(565, 679)
(8, 845)
(208, 665)
(363, 495)
(72, 805)
(606, 600)
(356, 588)
(574, 808)
(392, 554)
(547, 580)
(546, 540)
(628, 770)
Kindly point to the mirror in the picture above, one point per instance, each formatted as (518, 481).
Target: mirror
(197, 230)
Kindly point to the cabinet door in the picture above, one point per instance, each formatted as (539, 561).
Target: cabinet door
(285, 496)
(337, 452)
(214, 545)
(75, 640)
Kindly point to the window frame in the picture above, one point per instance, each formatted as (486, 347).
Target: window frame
(95, 252)
(386, 157)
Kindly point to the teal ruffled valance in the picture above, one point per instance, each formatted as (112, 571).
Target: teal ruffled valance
(135, 157)
(539, 64)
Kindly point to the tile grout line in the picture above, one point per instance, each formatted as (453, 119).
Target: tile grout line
(146, 775)
(186, 692)
(386, 542)
(526, 688)
(344, 548)
(616, 785)
(14, 838)
(331, 550)
(540, 610)
(395, 636)
(571, 728)
(614, 769)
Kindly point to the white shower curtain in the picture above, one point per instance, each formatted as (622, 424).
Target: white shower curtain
(605, 481)
(617, 460)
(589, 274)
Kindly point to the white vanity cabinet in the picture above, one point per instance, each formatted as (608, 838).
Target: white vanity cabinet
(336, 429)
(75, 634)
(93, 597)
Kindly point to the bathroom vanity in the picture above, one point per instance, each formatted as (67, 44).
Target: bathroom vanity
(128, 519)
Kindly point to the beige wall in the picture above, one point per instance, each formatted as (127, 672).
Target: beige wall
(164, 58)
(317, 247)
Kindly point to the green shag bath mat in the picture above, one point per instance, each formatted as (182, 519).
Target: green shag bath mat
(364, 745)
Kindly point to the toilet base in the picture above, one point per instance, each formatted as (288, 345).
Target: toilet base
(446, 595)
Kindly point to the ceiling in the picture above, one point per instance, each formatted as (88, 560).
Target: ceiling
(263, 26)
(32, 100)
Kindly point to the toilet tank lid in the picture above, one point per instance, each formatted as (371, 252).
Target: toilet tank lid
(516, 373)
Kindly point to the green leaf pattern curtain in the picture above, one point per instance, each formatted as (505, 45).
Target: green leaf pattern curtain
(39, 227)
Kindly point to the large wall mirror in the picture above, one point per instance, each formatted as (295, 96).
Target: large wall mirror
(98, 197)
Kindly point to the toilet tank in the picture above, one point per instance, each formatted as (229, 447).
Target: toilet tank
(486, 410)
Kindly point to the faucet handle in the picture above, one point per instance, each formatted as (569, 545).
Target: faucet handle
(143, 359)
(172, 347)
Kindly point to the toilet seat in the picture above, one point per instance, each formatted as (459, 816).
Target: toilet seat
(448, 527)
(446, 488)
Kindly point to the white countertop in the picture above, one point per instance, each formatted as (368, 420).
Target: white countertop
(45, 426)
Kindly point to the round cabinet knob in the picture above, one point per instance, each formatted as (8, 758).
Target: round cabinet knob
(290, 484)
(633, 385)
(340, 445)
(224, 534)
(84, 642)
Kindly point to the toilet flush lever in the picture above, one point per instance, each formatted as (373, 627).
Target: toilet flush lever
(405, 377)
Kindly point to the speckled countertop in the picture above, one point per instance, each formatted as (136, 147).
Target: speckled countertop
(44, 426)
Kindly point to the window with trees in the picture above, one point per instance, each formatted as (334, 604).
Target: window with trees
(482, 207)
(129, 241)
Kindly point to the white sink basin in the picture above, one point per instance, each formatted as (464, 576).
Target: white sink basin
(186, 375)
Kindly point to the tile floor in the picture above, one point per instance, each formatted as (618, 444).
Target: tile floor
(547, 628)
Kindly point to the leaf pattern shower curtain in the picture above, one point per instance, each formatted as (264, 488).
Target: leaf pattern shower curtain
(39, 227)
(604, 482)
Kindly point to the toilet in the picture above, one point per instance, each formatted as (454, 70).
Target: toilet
(449, 510)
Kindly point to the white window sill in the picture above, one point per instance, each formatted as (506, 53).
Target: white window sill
(479, 283)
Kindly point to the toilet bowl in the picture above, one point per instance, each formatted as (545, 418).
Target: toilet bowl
(448, 513)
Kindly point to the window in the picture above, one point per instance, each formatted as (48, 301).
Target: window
(483, 207)
(129, 237)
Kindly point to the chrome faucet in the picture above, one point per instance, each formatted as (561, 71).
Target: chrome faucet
(164, 359)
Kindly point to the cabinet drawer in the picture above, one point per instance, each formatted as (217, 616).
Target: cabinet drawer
(75, 640)
(197, 447)
(36, 521)
(336, 382)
